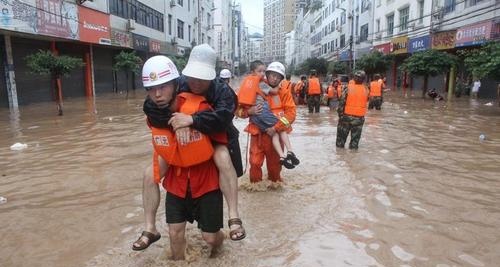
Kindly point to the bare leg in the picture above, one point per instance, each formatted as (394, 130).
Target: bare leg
(177, 233)
(286, 141)
(228, 181)
(151, 198)
(215, 240)
(277, 145)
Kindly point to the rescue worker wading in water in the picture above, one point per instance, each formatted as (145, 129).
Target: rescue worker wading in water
(198, 79)
(313, 93)
(261, 146)
(352, 110)
(376, 87)
(191, 178)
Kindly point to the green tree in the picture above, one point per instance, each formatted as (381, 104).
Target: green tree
(428, 63)
(127, 62)
(45, 62)
(318, 64)
(483, 61)
(374, 62)
(180, 62)
(337, 67)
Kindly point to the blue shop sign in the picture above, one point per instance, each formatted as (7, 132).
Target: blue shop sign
(344, 55)
(419, 44)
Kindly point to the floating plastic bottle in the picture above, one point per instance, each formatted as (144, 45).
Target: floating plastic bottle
(18, 146)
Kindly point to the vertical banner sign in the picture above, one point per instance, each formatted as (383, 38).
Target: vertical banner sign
(443, 40)
(57, 18)
(473, 34)
(18, 16)
(121, 38)
(399, 45)
(94, 26)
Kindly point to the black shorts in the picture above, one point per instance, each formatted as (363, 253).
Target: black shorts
(206, 210)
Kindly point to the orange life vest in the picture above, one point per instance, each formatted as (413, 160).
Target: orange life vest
(314, 87)
(339, 90)
(357, 98)
(165, 144)
(248, 90)
(375, 88)
(330, 92)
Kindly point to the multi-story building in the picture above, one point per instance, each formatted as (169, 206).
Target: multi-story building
(279, 16)
(255, 47)
(94, 31)
(223, 24)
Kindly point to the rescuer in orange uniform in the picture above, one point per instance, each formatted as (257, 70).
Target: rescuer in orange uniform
(352, 110)
(300, 90)
(376, 88)
(261, 146)
(313, 93)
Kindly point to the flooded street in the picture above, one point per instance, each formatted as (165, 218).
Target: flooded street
(422, 190)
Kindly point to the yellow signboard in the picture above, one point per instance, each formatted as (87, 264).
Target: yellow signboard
(399, 45)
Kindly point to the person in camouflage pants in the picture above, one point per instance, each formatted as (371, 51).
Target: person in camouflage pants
(351, 117)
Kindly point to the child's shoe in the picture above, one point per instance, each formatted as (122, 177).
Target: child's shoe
(287, 163)
(293, 159)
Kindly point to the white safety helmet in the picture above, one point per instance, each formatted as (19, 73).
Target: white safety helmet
(276, 67)
(158, 70)
(225, 74)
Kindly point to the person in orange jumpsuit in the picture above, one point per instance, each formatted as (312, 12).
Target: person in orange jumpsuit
(261, 146)
(314, 91)
(300, 90)
(376, 89)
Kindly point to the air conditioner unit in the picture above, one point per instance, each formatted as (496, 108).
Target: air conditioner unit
(130, 24)
(173, 41)
(172, 3)
(378, 36)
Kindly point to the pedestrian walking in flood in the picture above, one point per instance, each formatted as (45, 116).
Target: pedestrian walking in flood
(352, 110)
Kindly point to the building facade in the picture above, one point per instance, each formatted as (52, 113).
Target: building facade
(95, 31)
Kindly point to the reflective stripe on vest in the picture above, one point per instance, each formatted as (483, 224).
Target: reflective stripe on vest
(357, 98)
(375, 88)
(314, 87)
(198, 150)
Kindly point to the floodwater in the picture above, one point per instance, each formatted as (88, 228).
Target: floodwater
(422, 190)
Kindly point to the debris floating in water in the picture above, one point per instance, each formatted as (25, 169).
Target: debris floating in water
(3, 200)
(489, 104)
(482, 137)
(406, 112)
(18, 146)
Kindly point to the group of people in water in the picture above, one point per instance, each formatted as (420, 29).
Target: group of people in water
(197, 157)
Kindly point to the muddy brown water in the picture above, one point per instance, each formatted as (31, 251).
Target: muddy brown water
(422, 190)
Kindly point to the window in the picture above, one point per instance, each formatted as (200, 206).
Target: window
(363, 33)
(142, 14)
(390, 25)
(342, 18)
(189, 32)
(377, 22)
(180, 29)
(469, 3)
(169, 24)
(449, 6)
(404, 15)
(379, 2)
(180, 2)
(421, 11)
(342, 40)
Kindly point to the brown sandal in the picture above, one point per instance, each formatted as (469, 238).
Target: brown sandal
(144, 245)
(239, 230)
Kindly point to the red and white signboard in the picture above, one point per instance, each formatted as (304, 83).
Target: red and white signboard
(94, 26)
